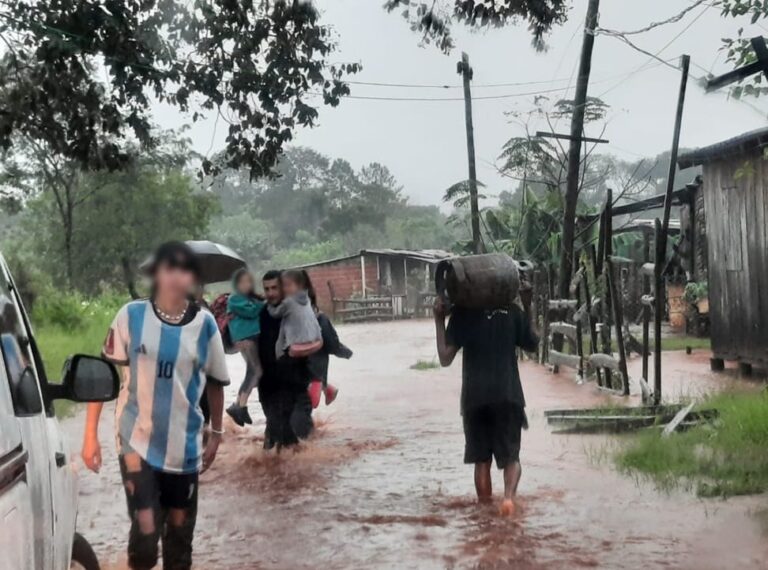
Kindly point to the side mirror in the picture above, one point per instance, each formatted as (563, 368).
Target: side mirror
(89, 379)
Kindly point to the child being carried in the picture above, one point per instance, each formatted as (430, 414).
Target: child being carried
(300, 334)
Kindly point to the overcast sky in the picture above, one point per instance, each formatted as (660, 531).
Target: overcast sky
(424, 143)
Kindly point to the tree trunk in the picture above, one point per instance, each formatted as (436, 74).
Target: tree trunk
(128, 277)
(68, 259)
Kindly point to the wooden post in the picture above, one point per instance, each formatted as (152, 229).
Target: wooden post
(405, 283)
(660, 295)
(362, 274)
(574, 148)
(618, 316)
(607, 301)
(693, 240)
(646, 309)
(600, 255)
(580, 342)
(593, 257)
(550, 288)
(593, 345)
(661, 234)
(466, 73)
(333, 298)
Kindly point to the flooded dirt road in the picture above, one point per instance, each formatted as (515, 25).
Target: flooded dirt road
(382, 484)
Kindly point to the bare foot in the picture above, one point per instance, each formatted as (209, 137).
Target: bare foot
(507, 508)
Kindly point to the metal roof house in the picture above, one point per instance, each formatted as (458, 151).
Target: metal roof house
(392, 282)
(735, 191)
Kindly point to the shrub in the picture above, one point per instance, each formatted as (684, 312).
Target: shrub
(64, 310)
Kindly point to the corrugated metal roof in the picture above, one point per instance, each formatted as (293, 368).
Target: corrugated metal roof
(425, 255)
(428, 255)
(747, 142)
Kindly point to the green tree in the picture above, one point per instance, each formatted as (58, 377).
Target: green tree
(126, 218)
(433, 19)
(32, 169)
(317, 207)
(251, 237)
(80, 76)
(738, 50)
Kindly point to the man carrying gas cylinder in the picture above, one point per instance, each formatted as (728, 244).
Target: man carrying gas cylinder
(489, 330)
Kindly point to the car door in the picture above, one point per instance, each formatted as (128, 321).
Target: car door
(16, 511)
(20, 375)
(63, 476)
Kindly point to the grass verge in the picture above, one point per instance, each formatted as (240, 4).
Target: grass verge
(77, 328)
(683, 342)
(727, 458)
(425, 365)
(667, 343)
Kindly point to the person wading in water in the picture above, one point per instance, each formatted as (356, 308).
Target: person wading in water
(492, 401)
(170, 352)
(284, 382)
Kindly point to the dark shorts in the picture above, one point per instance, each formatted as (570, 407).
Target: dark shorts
(152, 488)
(493, 432)
(157, 491)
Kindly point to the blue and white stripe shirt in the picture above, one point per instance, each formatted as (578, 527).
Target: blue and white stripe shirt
(165, 369)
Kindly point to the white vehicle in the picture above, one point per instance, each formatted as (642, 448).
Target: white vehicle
(38, 485)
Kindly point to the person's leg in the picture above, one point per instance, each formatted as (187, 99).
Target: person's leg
(284, 433)
(244, 392)
(331, 392)
(250, 350)
(238, 411)
(315, 391)
(483, 484)
(301, 415)
(509, 421)
(270, 405)
(512, 473)
(478, 450)
(143, 509)
(178, 496)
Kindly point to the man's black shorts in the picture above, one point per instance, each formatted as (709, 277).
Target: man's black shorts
(493, 432)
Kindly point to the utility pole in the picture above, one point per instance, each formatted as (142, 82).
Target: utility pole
(465, 71)
(663, 230)
(574, 148)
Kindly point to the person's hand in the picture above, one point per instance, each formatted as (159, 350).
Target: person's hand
(439, 309)
(91, 453)
(209, 455)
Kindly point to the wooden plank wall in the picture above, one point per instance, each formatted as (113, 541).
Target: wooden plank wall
(736, 199)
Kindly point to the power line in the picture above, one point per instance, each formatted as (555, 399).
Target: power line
(567, 80)
(491, 97)
(674, 19)
(435, 86)
(655, 56)
(430, 99)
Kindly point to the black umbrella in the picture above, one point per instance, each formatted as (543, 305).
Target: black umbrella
(217, 261)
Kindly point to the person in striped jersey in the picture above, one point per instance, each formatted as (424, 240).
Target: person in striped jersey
(170, 352)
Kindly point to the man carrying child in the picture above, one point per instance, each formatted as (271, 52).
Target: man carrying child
(284, 382)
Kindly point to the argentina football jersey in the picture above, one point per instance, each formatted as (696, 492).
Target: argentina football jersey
(166, 367)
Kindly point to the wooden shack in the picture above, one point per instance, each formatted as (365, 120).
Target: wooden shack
(375, 283)
(735, 190)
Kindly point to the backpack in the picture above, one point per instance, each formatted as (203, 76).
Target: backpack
(219, 310)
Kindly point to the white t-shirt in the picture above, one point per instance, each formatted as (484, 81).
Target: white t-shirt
(165, 371)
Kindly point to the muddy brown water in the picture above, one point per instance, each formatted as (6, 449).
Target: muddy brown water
(382, 484)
